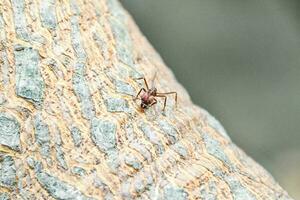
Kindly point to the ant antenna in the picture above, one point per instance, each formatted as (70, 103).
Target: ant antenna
(152, 82)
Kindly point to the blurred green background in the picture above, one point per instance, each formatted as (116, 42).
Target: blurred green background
(240, 60)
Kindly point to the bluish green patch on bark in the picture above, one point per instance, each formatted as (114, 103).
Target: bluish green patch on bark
(59, 152)
(140, 147)
(172, 192)
(79, 83)
(78, 171)
(125, 54)
(74, 7)
(116, 9)
(76, 135)
(4, 196)
(7, 172)
(104, 134)
(3, 99)
(21, 176)
(123, 42)
(132, 161)
(116, 105)
(215, 149)
(34, 164)
(124, 88)
(139, 185)
(180, 149)
(238, 191)
(120, 85)
(9, 131)
(100, 42)
(170, 132)
(60, 157)
(76, 39)
(120, 32)
(42, 136)
(113, 159)
(20, 19)
(3, 54)
(209, 193)
(142, 181)
(29, 81)
(129, 131)
(152, 137)
(59, 189)
(48, 14)
(4, 67)
(38, 39)
(82, 91)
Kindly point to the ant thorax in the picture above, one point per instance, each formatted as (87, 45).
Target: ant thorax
(146, 97)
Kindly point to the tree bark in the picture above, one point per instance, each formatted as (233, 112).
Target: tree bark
(69, 128)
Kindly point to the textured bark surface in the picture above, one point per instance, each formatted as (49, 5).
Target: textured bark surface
(69, 128)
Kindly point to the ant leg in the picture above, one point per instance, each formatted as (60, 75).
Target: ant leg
(145, 81)
(153, 103)
(165, 102)
(143, 89)
(169, 93)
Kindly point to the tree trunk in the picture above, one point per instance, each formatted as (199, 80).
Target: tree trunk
(70, 129)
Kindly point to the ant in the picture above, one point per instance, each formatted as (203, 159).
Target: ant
(148, 97)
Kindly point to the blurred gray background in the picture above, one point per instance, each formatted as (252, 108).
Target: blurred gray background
(240, 60)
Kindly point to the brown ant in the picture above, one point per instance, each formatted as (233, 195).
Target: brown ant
(148, 97)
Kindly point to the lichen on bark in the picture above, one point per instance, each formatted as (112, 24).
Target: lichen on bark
(69, 128)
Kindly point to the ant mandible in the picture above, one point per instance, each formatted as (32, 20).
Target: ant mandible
(148, 97)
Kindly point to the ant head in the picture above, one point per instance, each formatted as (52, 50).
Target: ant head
(153, 91)
(143, 105)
